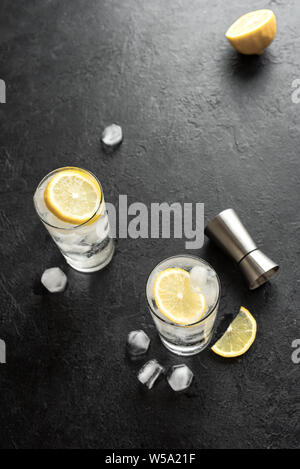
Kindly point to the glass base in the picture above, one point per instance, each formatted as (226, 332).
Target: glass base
(182, 350)
(94, 268)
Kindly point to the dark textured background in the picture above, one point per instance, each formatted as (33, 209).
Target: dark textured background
(201, 124)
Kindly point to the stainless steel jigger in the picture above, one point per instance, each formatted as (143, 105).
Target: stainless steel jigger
(229, 233)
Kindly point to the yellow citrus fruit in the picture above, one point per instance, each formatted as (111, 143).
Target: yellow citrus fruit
(252, 32)
(73, 195)
(175, 298)
(239, 336)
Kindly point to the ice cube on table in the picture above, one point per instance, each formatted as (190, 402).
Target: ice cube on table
(112, 135)
(150, 372)
(137, 343)
(198, 277)
(54, 279)
(180, 377)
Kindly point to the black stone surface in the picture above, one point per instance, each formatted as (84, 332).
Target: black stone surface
(201, 124)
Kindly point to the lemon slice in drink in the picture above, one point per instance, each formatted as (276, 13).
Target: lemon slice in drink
(175, 298)
(252, 32)
(73, 195)
(239, 336)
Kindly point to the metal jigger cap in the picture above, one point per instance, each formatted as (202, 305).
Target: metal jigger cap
(229, 233)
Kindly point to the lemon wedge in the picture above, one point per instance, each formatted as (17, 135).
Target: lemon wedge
(175, 298)
(73, 195)
(239, 336)
(252, 32)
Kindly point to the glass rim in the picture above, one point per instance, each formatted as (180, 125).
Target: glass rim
(73, 227)
(200, 320)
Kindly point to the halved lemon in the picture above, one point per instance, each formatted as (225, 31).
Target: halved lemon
(239, 336)
(252, 32)
(175, 298)
(73, 195)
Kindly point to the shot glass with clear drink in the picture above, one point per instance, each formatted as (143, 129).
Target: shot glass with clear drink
(70, 203)
(183, 294)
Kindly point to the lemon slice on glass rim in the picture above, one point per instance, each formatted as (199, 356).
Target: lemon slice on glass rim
(73, 195)
(175, 298)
